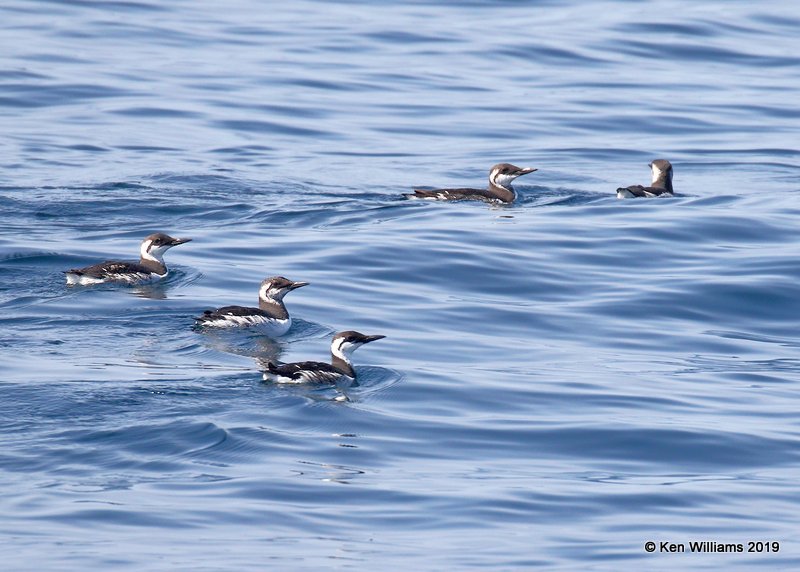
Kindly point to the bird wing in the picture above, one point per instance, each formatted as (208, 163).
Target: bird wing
(452, 194)
(109, 268)
(234, 311)
(237, 314)
(640, 191)
(305, 372)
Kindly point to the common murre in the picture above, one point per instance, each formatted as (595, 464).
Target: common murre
(660, 187)
(271, 316)
(342, 347)
(150, 266)
(500, 190)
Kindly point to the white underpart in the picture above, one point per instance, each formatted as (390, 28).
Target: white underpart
(625, 194)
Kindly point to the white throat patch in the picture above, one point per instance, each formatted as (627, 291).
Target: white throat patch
(269, 292)
(343, 349)
(503, 180)
(144, 249)
(155, 254)
(656, 173)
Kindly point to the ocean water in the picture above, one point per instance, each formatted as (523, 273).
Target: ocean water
(563, 380)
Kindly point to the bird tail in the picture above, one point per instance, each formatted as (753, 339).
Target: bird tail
(420, 194)
(73, 276)
(204, 318)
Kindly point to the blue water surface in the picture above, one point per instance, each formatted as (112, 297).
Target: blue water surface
(563, 379)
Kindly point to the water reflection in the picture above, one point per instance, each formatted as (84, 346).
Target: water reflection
(153, 291)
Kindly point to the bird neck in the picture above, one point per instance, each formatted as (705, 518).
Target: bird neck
(505, 194)
(663, 181)
(341, 361)
(153, 264)
(274, 308)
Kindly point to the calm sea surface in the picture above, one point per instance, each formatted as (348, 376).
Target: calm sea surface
(562, 381)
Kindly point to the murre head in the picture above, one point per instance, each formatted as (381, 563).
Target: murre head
(503, 174)
(345, 343)
(661, 168)
(277, 287)
(154, 246)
